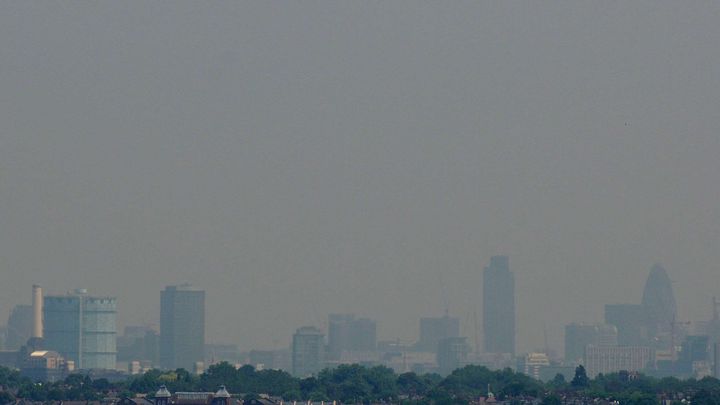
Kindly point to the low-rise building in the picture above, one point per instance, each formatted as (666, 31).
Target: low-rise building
(613, 359)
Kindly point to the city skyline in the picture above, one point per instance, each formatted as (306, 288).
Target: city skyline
(82, 330)
(338, 157)
(430, 326)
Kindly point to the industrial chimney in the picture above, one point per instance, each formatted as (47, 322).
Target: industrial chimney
(37, 307)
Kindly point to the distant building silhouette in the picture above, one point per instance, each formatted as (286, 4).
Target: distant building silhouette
(43, 366)
(631, 323)
(652, 323)
(139, 343)
(532, 364)
(695, 357)
(613, 359)
(19, 327)
(82, 329)
(499, 306)
(348, 333)
(580, 335)
(308, 346)
(658, 301)
(433, 330)
(182, 327)
(452, 353)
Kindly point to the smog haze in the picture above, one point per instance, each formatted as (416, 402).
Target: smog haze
(295, 159)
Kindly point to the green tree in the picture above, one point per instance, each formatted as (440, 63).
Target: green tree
(6, 398)
(551, 399)
(220, 374)
(412, 385)
(581, 379)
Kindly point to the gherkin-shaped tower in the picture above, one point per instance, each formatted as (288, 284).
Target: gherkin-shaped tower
(658, 299)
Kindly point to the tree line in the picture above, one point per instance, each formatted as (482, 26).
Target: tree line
(358, 384)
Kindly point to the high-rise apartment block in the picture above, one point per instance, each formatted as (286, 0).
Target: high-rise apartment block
(499, 306)
(182, 327)
(82, 329)
(308, 346)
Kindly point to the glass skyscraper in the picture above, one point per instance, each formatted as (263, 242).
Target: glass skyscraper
(182, 327)
(82, 328)
(499, 306)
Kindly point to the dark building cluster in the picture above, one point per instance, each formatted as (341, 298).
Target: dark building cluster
(59, 334)
(647, 337)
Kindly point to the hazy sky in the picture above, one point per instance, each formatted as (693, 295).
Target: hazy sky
(300, 158)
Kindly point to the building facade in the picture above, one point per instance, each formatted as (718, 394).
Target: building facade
(82, 329)
(499, 306)
(308, 346)
(580, 335)
(346, 333)
(19, 327)
(182, 327)
(658, 302)
(631, 323)
(452, 353)
(433, 330)
(613, 359)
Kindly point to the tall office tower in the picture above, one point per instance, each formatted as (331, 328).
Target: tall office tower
(631, 323)
(19, 326)
(452, 353)
(658, 301)
(433, 330)
(499, 306)
(307, 351)
(347, 333)
(82, 328)
(182, 327)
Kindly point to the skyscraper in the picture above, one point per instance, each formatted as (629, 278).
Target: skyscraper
(19, 326)
(82, 328)
(658, 301)
(499, 306)
(307, 351)
(433, 330)
(631, 323)
(348, 333)
(182, 327)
